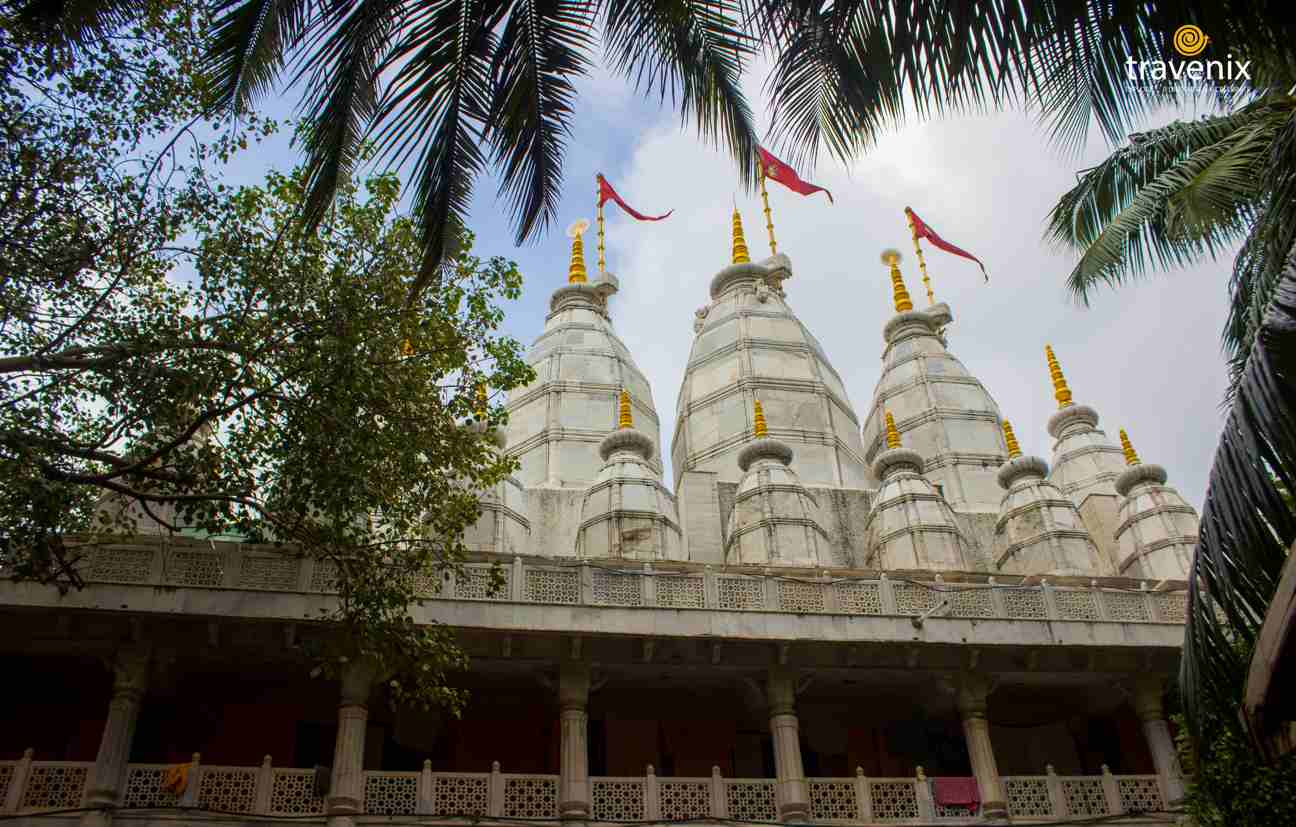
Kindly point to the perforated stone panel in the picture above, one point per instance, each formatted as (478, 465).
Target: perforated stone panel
(1084, 796)
(274, 573)
(751, 800)
(1028, 797)
(325, 576)
(531, 797)
(740, 592)
(1140, 794)
(971, 603)
(954, 811)
(144, 788)
(684, 799)
(858, 598)
(6, 778)
(681, 592)
(1076, 605)
(833, 801)
(195, 568)
(292, 793)
(617, 800)
(118, 565)
(912, 599)
(460, 794)
(231, 789)
(391, 793)
(1128, 607)
(54, 787)
(618, 589)
(800, 597)
(474, 584)
(893, 800)
(551, 586)
(1171, 607)
(1025, 604)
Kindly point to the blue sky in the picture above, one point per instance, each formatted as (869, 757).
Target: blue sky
(1146, 357)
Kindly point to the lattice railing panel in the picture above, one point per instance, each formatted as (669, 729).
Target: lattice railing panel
(800, 597)
(1025, 604)
(531, 797)
(858, 598)
(1127, 607)
(231, 789)
(1084, 796)
(391, 793)
(1076, 605)
(1140, 794)
(833, 801)
(460, 795)
(913, 599)
(971, 603)
(684, 799)
(1028, 797)
(273, 573)
(618, 589)
(54, 786)
(681, 592)
(6, 778)
(1171, 607)
(292, 792)
(953, 810)
(893, 800)
(144, 787)
(474, 583)
(118, 565)
(751, 800)
(740, 592)
(617, 799)
(195, 568)
(325, 576)
(553, 586)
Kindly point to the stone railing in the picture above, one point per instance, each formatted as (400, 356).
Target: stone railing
(27, 786)
(672, 586)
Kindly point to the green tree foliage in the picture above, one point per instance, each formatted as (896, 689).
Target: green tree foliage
(1229, 785)
(177, 353)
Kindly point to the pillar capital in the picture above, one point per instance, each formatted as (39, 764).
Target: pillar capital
(1145, 694)
(130, 667)
(574, 680)
(972, 693)
(781, 691)
(358, 678)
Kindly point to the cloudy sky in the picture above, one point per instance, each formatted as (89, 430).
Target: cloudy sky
(1146, 357)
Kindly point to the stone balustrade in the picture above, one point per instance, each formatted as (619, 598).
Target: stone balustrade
(31, 786)
(673, 586)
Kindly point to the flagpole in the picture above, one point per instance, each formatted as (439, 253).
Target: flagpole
(769, 221)
(598, 211)
(922, 263)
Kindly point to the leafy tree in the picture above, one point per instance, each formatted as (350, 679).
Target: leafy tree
(180, 354)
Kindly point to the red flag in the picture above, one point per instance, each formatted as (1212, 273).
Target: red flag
(776, 170)
(606, 193)
(921, 230)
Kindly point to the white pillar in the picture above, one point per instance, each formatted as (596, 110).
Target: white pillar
(1147, 703)
(972, 693)
(346, 784)
(573, 704)
(785, 729)
(108, 776)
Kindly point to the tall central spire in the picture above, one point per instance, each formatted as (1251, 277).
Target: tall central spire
(901, 295)
(740, 255)
(576, 269)
(1060, 390)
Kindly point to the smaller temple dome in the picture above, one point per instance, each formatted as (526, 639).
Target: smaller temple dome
(1084, 460)
(1039, 530)
(774, 519)
(1156, 531)
(503, 527)
(910, 526)
(627, 512)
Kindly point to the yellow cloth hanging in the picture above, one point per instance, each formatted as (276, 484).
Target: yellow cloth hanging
(176, 778)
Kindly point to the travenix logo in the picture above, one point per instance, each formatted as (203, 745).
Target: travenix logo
(1189, 41)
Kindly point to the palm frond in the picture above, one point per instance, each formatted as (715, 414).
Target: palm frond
(544, 45)
(76, 23)
(249, 43)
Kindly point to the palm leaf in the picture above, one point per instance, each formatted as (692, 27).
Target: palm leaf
(249, 43)
(77, 23)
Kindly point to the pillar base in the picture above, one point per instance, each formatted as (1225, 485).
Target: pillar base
(97, 818)
(794, 811)
(574, 810)
(342, 805)
(995, 811)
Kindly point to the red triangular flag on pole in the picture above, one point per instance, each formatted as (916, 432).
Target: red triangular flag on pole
(921, 230)
(606, 193)
(776, 170)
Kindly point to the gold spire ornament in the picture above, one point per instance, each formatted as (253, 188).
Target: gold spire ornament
(598, 216)
(480, 406)
(892, 435)
(576, 270)
(769, 220)
(901, 295)
(624, 418)
(1060, 390)
(922, 263)
(1014, 450)
(759, 428)
(1131, 457)
(740, 255)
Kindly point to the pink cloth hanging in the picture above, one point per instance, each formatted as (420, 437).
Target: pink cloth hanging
(956, 792)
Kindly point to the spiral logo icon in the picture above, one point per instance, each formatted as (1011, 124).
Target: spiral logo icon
(1189, 41)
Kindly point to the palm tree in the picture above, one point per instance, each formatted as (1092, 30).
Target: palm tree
(457, 86)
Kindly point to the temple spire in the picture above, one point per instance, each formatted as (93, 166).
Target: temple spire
(759, 428)
(1060, 390)
(1014, 450)
(625, 419)
(1131, 457)
(901, 295)
(576, 269)
(892, 435)
(479, 406)
(740, 255)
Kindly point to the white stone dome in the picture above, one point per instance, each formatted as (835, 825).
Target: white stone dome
(1039, 530)
(627, 512)
(1085, 461)
(911, 525)
(1157, 531)
(942, 411)
(775, 520)
(750, 345)
(556, 422)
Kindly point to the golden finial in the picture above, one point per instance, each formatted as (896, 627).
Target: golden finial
(902, 303)
(759, 429)
(407, 349)
(1014, 450)
(739, 243)
(1131, 458)
(480, 406)
(892, 435)
(576, 270)
(625, 420)
(1060, 390)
